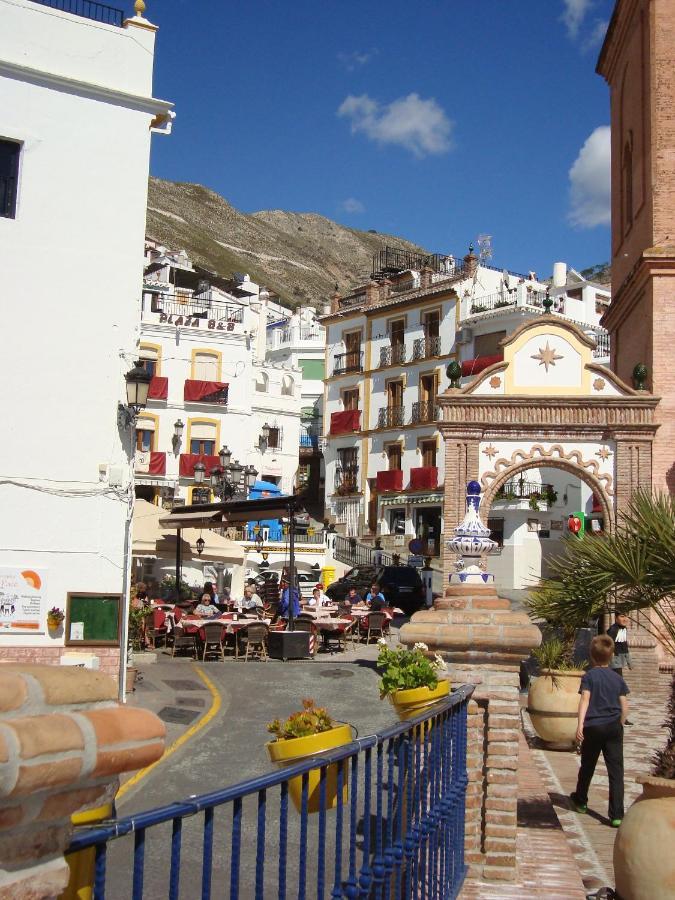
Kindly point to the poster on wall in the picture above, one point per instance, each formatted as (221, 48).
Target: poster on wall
(22, 600)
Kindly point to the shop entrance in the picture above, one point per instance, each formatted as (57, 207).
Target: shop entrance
(428, 529)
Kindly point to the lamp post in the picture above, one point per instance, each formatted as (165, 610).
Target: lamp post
(178, 427)
(137, 386)
(231, 478)
(264, 437)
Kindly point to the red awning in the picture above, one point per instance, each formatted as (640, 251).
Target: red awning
(195, 391)
(159, 388)
(424, 477)
(474, 366)
(345, 422)
(188, 461)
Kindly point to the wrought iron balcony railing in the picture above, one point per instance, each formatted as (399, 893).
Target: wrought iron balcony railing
(195, 308)
(424, 411)
(525, 490)
(346, 480)
(348, 362)
(602, 344)
(392, 355)
(425, 347)
(99, 12)
(391, 417)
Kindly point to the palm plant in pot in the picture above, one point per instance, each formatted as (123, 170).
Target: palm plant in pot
(632, 570)
(553, 698)
(410, 679)
(305, 733)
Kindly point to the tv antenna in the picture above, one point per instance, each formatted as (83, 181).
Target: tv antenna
(484, 242)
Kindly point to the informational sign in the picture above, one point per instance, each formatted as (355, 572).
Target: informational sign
(415, 561)
(22, 601)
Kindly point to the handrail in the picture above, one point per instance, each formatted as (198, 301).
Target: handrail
(97, 834)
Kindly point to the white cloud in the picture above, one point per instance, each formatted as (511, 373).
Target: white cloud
(356, 58)
(352, 205)
(420, 126)
(574, 14)
(590, 181)
(594, 36)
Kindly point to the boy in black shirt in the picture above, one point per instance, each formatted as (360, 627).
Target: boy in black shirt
(603, 710)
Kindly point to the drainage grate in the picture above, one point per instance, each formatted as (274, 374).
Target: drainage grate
(336, 673)
(191, 701)
(176, 716)
(178, 685)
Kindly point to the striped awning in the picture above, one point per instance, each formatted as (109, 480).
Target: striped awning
(426, 499)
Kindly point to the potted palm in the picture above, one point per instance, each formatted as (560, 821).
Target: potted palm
(553, 698)
(306, 733)
(410, 679)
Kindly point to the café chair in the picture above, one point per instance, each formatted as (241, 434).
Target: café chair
(254, 639)
(183, 641)
(214, 636)
(374, 625)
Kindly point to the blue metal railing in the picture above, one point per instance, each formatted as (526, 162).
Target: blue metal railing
(397, 831)
(87, 9)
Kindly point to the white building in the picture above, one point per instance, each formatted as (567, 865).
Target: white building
(76, 118)
(301, 342)
(388, 345)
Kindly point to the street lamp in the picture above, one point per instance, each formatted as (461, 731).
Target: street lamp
(230, 479)
(225, 456)
(138, 384)
(199, 472)
(178, 427)
(201, 543)
(264, 437)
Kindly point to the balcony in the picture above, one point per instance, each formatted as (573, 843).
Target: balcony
(471, 367)
(602, 344)
(188, 461)
(159, 388)
(521, 494)
(424, 411)
(97, 12)
(150, 462)
(346, 480)
(343, 363)
(288, 335)
(310, 438)
(196, 391)
(389, 480)
(424, 478)
(391, 417)
(392, 355)
(426, 347)
(190, 311)
(345, 422)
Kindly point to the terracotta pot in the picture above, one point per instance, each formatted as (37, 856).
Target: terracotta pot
(553, 702)
(295, 749)
(644, 862)
(411, 702)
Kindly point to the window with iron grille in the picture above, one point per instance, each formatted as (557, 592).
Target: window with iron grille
(201, 495)
(274, 438)
(9, 176)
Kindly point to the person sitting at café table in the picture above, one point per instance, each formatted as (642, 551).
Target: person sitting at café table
(251, 599)
(353, 598)
(210, 590)
(206, 608)
(285, 600)
(375, 598)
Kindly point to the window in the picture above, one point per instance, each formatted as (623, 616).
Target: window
(394, 456)
(203, 437)
(145, 434)
(348, 457)
(9, 175)
(353, 349)
(205, 367)
(397, 332)
(397, 521)
(201, 495)
(431, 322)
(262, 382)
(149, 359)
(274, 438)
(428, 451)
(350, 398)
(394, 394)
(287, 386)
(428, 386)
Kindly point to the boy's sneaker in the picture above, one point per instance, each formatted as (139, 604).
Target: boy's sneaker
(578, 807)
(616, 822)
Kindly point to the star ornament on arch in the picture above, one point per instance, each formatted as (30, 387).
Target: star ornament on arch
(547, 356)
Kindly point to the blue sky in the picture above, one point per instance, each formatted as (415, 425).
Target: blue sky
(433, 121)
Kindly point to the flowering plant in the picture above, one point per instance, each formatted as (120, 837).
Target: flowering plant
(55, 616)
(309, 720)
(404, 669)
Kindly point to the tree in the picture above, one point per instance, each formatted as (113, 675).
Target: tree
(630, 570)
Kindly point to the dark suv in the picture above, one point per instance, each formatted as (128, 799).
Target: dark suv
(401, 585)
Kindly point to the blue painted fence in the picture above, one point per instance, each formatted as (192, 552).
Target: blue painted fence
(399, 833)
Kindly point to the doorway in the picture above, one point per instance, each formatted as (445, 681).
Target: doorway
(428, 529)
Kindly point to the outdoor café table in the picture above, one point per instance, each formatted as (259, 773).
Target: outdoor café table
(318, 612)
(389, 611)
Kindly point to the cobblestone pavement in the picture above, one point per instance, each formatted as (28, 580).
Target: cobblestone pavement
(589, 836)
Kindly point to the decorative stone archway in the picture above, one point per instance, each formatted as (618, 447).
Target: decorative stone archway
(547, 404)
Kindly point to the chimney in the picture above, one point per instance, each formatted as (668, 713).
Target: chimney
(425, 277)
(470, 262)
(559, 274)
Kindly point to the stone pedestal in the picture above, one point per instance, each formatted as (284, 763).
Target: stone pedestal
(64, 740)
(483, 642)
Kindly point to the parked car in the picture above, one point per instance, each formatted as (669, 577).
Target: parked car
(401, 585)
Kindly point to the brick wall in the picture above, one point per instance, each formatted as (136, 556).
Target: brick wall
(109, 657)
(63, 741)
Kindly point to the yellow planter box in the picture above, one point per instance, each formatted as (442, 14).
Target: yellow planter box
(296, 749)
(411, 702)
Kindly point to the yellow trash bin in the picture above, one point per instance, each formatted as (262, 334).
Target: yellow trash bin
(327, 576)
(82, 863)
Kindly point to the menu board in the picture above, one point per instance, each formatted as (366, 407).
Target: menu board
(22, 601)
(93, 619)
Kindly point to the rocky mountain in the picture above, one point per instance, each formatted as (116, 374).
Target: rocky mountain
(299, 256)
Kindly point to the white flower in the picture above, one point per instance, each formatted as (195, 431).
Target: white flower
(439, 662)
(420, 646)
(382, 642)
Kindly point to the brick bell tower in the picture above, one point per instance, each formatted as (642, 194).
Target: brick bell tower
(636, 60)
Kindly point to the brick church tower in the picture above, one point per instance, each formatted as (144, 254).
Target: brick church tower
(637, 62)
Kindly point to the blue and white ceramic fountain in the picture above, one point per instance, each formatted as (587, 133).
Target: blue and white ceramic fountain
(471, 542)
